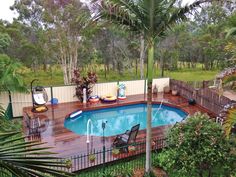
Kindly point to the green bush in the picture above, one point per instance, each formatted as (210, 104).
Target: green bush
(197, 147)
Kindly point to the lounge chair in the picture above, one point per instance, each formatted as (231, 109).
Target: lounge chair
(127, 138)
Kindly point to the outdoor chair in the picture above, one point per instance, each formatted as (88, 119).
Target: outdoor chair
(127, 138)
(33, 125)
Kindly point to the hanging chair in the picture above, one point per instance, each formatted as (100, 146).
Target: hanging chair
(39, 98)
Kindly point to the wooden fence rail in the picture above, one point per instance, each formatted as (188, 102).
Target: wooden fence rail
(205, 97)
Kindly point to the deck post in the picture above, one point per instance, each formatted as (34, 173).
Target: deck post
(104, 158)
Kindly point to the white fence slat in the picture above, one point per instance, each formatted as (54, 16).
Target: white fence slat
(4, 99)
(134, 87)
(102, 89)
(65, 94)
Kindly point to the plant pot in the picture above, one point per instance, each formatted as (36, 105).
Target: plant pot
(115, 155)
(92, 160)
(166, 89)
(131, 153)
(174, 92)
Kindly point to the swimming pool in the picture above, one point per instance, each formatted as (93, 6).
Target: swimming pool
(120, 119)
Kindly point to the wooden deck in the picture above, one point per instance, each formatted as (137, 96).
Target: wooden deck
(66, 143)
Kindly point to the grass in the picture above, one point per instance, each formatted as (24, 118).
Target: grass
(55, 75)
(192, 75)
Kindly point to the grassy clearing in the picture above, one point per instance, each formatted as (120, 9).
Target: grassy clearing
(55, 76)
(192, 75)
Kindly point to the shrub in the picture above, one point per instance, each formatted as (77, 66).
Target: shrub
(197, 146)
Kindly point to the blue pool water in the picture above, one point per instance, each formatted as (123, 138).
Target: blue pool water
(120, 119)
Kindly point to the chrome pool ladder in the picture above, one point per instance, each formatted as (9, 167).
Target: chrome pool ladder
(89, 122)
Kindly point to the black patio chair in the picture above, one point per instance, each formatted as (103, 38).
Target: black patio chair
(127, 138)
(33, 125)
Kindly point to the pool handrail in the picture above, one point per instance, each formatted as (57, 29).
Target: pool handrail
(91, 132)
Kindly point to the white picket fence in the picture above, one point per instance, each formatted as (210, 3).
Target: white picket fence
(66, 94)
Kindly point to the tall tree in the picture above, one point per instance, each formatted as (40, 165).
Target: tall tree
(68, 21)
(65, 24)
(152, 18)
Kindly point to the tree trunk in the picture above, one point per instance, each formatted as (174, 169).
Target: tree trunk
(105, 71)
(142, 52)
(149, 105)
(162, 66)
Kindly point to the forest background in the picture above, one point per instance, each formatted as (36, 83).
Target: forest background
(50, 39)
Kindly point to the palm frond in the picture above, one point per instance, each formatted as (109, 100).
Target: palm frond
(230, 121)
(231, 32)
(179, 14)
(28, 158)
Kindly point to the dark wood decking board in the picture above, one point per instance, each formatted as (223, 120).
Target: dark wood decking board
(67, 143)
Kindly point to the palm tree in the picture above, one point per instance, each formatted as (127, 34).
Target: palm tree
(151, 18)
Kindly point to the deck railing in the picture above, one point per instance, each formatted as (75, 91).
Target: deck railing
(205, 97)
(104, 156)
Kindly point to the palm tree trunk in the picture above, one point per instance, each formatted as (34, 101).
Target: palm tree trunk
(142, 52)
(149, 106)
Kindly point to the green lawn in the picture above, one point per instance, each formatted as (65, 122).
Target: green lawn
(192, 75)
(55, 76)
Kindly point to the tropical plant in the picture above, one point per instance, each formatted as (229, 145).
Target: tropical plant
(10, 79)
(22, 158)
(84, 83)
(231, 32)
(152, 19)
(230, 121)
(92, 158)
(197, 147)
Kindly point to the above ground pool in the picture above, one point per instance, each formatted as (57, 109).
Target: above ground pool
(120, 119)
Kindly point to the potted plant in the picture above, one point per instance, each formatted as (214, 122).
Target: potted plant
(174, 91)
(131, 149)
(92, 158)
(155, 90)
(115, 152)
(166, 89)
(83, 82)
(68, 163)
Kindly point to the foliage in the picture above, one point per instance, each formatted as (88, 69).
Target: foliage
(8, 125)
(106, 173)
(92, 157)
(27, 158)
(196, 147)
(115, 151)
(5, 40)
(230, 121)
(10, 79)
(84, 82)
